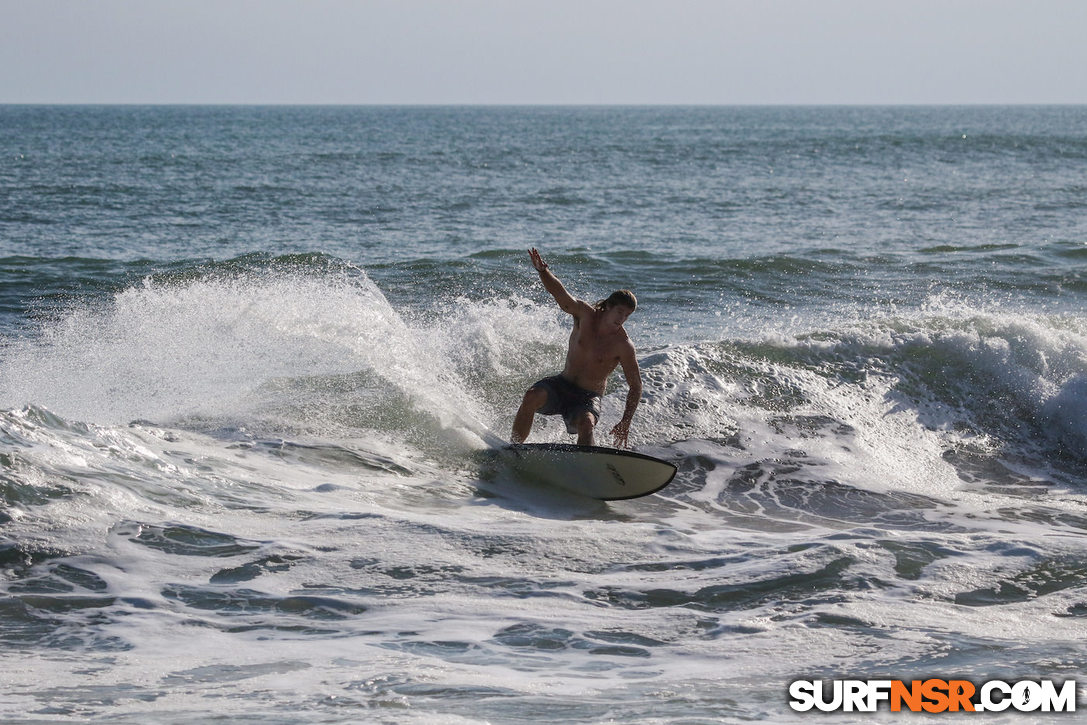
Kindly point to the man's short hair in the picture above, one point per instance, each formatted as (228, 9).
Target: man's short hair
(620, 297)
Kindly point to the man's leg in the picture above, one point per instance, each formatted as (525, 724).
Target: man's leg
(586, 423)
(535, 398)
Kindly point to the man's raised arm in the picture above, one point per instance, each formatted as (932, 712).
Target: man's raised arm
(551, 283)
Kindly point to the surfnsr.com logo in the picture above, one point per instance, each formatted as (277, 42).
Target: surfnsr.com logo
(932, 695)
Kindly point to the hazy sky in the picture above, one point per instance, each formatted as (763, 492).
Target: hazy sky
(543, 51)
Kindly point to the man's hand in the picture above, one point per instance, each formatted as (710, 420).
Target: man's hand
(537, 260)
(621, 431)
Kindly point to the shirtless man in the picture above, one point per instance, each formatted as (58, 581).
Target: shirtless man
(598, 344)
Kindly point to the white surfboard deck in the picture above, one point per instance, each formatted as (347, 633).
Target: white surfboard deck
(607, 474)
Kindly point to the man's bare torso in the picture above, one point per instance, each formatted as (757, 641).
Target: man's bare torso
(594, 352)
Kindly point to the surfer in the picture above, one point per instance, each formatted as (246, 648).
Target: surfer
(598, 344)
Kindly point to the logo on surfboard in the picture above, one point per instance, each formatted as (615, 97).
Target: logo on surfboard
(616, 475)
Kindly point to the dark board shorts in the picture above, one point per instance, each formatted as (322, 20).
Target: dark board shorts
(568, 400)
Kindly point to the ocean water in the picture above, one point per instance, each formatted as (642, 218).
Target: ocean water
(251, 361)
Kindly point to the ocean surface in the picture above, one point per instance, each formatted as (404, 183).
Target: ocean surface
(252, 360)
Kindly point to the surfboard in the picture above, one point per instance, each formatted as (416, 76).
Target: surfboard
(607, 474)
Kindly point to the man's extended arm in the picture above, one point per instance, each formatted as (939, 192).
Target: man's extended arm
(634, 395)
(551, 283)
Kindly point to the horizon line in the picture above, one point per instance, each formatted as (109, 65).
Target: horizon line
(336, 104)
